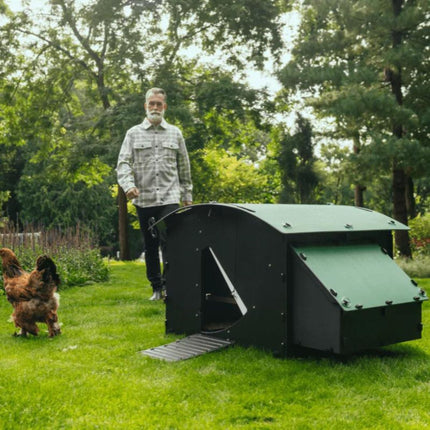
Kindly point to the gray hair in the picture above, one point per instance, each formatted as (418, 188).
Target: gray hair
(154, 91)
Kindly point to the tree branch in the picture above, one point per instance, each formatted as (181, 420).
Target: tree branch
(60, 48)
(83, 41)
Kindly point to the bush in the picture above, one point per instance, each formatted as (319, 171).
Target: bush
(420, 235)
(78, 261)
(79, 267)
(418, 267)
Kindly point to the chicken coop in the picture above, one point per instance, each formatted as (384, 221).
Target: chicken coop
(285, 278)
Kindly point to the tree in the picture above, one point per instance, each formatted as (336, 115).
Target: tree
(65, 206)
(335, 173)
(11, 153)
(297, 164)
(364, 63)
(225, 178)
(106, 42)
(224, 131)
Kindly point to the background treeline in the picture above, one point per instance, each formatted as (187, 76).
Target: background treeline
(356, 83)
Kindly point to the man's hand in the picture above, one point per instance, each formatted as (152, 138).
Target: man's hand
(132, 193)
(187, 203)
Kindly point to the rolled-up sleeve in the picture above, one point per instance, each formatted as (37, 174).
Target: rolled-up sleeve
(124, 168)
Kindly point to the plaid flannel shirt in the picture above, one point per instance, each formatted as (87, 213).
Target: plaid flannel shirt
(154, 159)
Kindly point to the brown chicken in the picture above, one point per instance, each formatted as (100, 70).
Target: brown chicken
(33, 295)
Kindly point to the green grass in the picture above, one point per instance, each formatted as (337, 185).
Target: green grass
(93, 377)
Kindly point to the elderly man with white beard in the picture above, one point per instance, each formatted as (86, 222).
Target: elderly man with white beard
(154, 171)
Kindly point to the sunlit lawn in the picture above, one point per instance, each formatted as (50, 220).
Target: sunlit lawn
(93, 376)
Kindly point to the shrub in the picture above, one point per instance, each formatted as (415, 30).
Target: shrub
(420, 234)
(78, 261)
(419, 267)
(79, 267)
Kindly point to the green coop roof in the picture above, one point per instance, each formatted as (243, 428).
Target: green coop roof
(292, 219)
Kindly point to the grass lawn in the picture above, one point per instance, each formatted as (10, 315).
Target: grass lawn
(93, 377)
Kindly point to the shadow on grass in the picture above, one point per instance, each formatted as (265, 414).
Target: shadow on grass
(395, 352)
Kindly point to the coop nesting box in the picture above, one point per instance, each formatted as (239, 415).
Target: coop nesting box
(282, 277)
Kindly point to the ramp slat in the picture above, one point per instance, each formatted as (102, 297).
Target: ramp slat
(191, 346)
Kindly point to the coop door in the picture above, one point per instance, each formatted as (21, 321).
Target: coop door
(221, 304)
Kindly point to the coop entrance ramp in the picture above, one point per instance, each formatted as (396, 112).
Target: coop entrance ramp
(189, 347)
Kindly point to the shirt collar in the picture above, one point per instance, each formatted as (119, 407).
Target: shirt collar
(146, 124)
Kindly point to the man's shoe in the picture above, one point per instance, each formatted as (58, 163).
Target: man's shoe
(156, 296)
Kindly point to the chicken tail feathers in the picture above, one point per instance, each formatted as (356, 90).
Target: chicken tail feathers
(47, 267)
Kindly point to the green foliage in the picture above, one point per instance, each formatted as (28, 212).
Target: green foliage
(418, 267)
(114, 123)
(345, 60)
(358, 63)
(58, 204)
(378, 194)
(423, 194)
(420, 235)
(297, 164)
(225, 178)
(94, 376)
(225, 135)
(77, 261)
(75, 266)
(4, 197)
(80, 267)
(334, 171)
(70, 100)
(67, 103)
(244, 30)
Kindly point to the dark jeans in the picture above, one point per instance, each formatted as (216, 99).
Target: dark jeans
(154, 240)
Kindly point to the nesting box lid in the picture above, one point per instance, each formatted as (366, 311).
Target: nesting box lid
(360, 276)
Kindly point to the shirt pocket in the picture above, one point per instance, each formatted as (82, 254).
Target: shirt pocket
(169, 151)
(143, 153)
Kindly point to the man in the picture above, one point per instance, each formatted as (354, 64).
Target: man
(154, 171)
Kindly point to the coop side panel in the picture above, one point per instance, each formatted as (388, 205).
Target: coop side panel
(315, 316)
(183, 274)
(261, 283)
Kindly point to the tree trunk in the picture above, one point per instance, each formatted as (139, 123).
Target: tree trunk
(400, 212)
(410, 198)
(359, 195)
(124, 252)
(358, 189)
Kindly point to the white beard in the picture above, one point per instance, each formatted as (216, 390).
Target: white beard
(155, 116)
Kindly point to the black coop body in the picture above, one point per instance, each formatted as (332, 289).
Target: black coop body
(287, 277)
